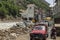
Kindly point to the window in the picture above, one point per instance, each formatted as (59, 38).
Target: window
(30, 18)
(30, 7)
(25, 18)
(39, 28)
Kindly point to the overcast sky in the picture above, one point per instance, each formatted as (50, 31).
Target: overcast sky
(51, 2)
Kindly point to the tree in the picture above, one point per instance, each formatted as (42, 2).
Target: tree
(38, 3)
(9, 8)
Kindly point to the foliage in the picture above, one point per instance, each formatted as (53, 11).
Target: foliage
(8, 7)
(11, 7)
(38, 3)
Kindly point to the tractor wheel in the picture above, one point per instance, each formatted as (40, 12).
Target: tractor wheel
(44, 38)
(31, 38)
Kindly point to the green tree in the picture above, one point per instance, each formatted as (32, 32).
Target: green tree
(9, 8)
(38, 3)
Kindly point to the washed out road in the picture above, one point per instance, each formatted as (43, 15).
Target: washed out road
(26, 37)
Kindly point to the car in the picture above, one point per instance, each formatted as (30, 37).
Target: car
(39, 32)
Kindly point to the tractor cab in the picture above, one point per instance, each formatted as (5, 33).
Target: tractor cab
(39, 32)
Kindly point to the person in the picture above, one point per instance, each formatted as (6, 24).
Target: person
(53, 33)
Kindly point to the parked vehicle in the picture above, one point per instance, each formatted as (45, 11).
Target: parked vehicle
(39, 32)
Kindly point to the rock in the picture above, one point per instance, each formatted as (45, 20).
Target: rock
(13, 34)
(0, 37)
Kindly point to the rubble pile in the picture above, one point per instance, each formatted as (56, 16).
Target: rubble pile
(13, 33)
(18, 30)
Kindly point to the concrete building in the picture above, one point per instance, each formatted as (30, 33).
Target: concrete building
(29, 13)
(57, 6)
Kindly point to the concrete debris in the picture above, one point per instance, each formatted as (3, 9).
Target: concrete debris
(13, 32)
(21, 24)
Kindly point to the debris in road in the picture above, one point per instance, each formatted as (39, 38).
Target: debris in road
(13, 32)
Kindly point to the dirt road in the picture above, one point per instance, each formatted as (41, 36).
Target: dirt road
(23, 37)
(26, 37)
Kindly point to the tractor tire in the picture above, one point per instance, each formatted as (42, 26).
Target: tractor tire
(44, 38)
(31, 38)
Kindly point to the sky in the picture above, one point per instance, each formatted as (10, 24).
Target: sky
(51, 2)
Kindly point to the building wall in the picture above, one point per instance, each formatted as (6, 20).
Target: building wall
(57, 7)
(29, 13)
(30, 10)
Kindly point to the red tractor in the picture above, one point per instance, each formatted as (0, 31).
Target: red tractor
(39, 32)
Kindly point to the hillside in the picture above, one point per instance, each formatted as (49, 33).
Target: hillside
(10, 8)
(39, 3)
